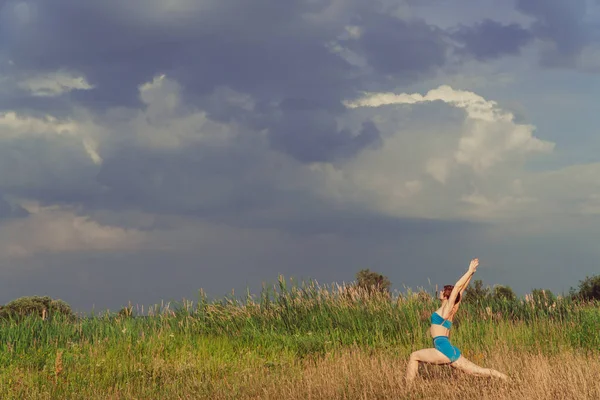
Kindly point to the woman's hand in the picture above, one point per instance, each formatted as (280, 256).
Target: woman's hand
(473, 265)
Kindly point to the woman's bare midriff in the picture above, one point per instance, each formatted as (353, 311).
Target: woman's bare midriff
(438, 330)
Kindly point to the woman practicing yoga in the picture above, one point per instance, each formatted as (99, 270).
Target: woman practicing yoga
(441, 322)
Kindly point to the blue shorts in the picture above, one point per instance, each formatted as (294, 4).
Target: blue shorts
(442, 343)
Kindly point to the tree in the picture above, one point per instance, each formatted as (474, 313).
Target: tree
(475, 292)
(504, 293)
(373, 281)
(589, 289)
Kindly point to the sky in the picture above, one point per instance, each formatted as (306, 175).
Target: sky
(150, 148)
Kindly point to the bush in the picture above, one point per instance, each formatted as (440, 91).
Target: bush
(43, 307)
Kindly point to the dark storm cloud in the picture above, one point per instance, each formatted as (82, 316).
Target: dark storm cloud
(270, 50)
(406, 49)
(263, 48)
(309, 133)
(200, 180)
(561, 23)
(276, 53)
(490, 39)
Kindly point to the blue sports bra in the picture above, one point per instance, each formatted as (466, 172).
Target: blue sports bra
(436, 319)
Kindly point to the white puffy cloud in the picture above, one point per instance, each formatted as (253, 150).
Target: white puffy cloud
(490, 135)
(55, 84)
(86, 138)
(15, 127)
(167, 123)
(435, 164)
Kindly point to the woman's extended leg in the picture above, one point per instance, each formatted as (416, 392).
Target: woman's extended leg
(470, 368)
(431, 356)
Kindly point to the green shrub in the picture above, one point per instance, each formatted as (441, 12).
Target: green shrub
(43, 307)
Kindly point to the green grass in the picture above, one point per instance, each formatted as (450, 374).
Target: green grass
(206, 342)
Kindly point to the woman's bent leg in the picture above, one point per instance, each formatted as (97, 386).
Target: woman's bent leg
(470, 368)
(431, 356)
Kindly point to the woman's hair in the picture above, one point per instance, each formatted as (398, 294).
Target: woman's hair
(448, 291)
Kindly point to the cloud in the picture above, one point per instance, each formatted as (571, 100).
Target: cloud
(223, 71)
(309, 51)
(203, 45)
(45, 164)
(309, 133)
(16, 126)
(62, 230)
(490, 39)
(562, 26)
(435, 163)
(447, 154)
(46, 157)
(400, 47)
(171, 157)
(54, 84)
(165, 122)
(168, 157)
(491, 133)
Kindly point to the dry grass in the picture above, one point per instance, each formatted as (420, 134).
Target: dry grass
(359, 375)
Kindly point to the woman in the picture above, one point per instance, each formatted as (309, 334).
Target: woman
(441, 322)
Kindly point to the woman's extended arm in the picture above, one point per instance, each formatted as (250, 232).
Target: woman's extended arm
(466, 285)
(463, 282)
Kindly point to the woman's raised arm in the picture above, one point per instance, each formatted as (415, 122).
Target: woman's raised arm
(463, 282)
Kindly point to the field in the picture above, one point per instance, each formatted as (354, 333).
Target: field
(303, 342)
